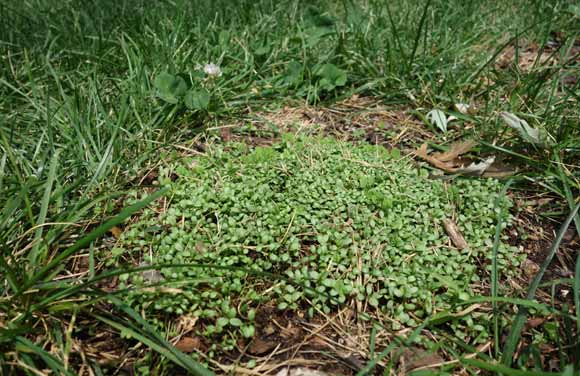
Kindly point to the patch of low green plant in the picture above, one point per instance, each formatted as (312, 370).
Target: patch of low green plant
(336, 223)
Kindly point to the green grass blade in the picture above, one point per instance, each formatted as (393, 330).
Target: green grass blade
(518, 324)
(162, 349)
(393, 345)
(567, 190)
(56, 365)
(16, 171)
(2, 169)
(33, 257)
(503, 369)
(418, 35)
(577, 292)
(149, 336)
(93, 235)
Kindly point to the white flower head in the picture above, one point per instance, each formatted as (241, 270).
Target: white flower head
(212, 70)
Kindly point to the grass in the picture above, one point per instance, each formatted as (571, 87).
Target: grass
(84, 117)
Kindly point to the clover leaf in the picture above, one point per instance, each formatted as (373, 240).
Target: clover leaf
(170, 88)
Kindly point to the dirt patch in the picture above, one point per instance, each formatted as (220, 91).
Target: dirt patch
(535, 234)
(354, 119)
(336, 344)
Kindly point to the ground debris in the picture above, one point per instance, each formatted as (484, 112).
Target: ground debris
(301, 371)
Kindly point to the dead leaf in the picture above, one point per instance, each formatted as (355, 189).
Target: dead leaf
(527, 57)
(463, 108)
(116, 232)
(454, 234)
(415, 357)
(450, 161)
(422, 153)
(477, 168)
(291, 331)
(260, 346)
(189, 344)
(535, 322)
(457, 149)
(530, 268)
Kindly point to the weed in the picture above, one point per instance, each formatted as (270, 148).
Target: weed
(93, 93)
(341, 223)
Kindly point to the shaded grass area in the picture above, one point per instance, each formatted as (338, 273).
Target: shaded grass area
(80, 121)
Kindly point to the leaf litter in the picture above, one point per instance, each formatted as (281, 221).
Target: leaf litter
(453, 162)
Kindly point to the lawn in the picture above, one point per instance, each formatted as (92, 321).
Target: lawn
(292, 188)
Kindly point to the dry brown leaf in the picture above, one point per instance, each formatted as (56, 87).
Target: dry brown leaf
(450, 161)
(535, 322)
(527, 57)
(290, 331)
(189, 344)
(415, 357)
(260, 346)
(456, 149)
(422, 153)
(454, 234)
(116, 232)
(530, 268)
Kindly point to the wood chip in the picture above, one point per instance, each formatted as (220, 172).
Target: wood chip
(454, 234)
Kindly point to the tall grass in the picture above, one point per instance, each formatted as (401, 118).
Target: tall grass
(79, 119)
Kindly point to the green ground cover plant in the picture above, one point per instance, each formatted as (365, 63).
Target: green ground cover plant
(340, 222)
(96, 95)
